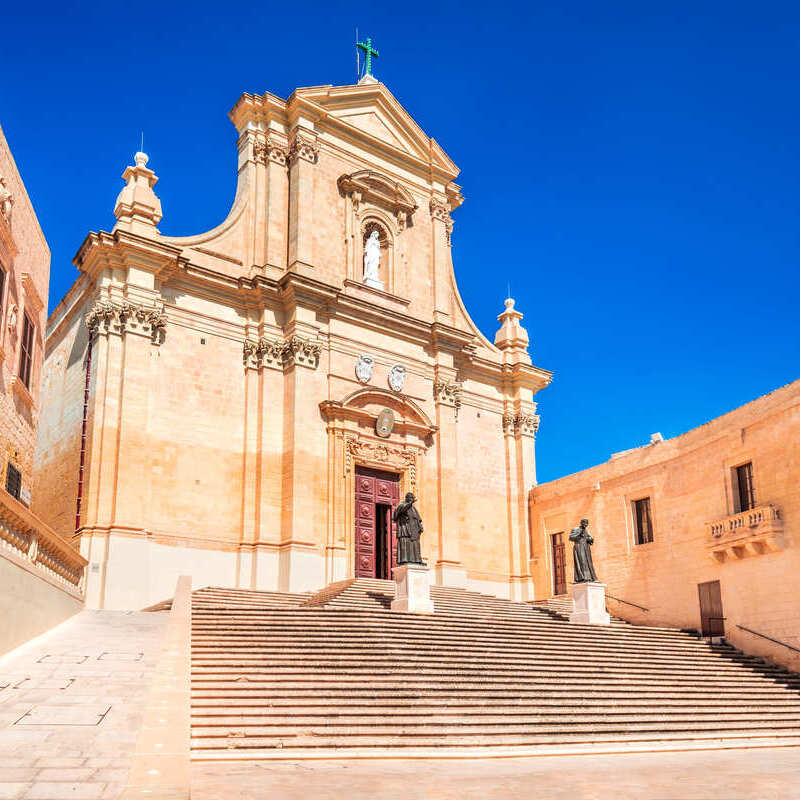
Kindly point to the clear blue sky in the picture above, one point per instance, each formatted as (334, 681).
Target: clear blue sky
(631, 168)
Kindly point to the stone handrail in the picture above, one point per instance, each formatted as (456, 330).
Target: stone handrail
(742, 521)
(26, 536)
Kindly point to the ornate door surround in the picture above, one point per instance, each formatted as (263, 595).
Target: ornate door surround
(352, 442)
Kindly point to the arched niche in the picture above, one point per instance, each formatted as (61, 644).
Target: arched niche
(376, 202)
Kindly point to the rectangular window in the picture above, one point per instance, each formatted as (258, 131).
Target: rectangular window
(26, 352)
(743, 487)
(643, 520)
(13, 481)
(2, 286)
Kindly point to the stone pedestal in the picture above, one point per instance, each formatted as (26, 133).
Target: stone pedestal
(374, 283)
(413, 589)
(589, 600)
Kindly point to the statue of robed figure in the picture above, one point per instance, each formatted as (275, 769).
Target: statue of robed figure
(582, 553)
(409, 528)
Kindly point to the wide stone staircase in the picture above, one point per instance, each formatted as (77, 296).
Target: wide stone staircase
(336, 673)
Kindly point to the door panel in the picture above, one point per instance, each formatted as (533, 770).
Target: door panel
(711, 616)
(373, 487)
(559, 564)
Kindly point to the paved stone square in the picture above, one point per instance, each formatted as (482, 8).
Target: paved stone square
(70, 705)
(754, 774)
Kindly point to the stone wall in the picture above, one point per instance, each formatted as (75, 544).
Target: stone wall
(25, 260)
(690, 485)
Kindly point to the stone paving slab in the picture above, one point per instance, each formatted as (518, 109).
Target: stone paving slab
(758, 774)
(71, 706)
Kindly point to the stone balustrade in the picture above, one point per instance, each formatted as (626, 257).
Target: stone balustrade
(749, 533)
(24, 536)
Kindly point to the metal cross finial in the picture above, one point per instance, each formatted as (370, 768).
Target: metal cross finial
(369, 51)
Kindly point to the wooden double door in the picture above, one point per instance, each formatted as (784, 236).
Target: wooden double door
(377, 495)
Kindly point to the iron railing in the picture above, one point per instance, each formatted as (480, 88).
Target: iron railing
(769, 638)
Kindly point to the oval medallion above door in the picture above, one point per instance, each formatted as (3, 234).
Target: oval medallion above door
(385, 423)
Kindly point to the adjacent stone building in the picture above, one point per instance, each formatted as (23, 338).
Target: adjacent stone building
(246, 405)
(24, 278)
(699, 531)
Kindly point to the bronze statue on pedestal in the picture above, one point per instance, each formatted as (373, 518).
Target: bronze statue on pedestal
(409, 528)
(582, 553)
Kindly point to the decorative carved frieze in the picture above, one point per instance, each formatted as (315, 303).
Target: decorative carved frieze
(299, 350)
(271, 150)
(304, 146)
(440, 210)
(520, 424)
(276, 353)
(381, 454)
(126, 317)
(447, 392)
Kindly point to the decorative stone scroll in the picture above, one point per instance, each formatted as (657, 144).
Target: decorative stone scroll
(447, 392)
(440, 210)
(6, 200)
(272, 150)
(381, 454)
(303, 146)
(520, 424)
(107, 317)
(277, 353)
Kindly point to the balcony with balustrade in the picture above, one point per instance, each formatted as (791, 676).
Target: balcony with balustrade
(753, 532)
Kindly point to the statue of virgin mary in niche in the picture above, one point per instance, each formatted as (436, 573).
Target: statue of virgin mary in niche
(372, 260)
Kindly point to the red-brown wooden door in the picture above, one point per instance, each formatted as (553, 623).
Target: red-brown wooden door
(559, 564)
(377, 494)
(712, 619)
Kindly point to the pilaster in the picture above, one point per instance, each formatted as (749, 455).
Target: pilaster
(302, 156)
(442, 265)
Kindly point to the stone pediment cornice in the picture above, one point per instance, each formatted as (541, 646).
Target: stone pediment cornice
(372, 186)
(323, 107)
(118, 249)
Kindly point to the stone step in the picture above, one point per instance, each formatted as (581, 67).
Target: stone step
(395, 619)
(202, 718)
(390, 649)
(439, 735)
(338, 670)
(423, 706)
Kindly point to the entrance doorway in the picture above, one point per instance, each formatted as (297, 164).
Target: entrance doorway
(377, 495)
(559, 564)
(712, 620)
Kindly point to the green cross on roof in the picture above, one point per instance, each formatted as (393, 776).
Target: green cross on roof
(370, 51)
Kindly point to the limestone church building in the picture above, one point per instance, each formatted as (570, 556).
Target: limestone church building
(246, 405)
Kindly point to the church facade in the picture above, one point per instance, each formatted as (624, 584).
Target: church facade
(247, 405)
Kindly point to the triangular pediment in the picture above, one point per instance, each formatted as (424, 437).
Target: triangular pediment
(374, 112)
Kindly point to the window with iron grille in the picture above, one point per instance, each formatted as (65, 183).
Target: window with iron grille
(26, 352)
(13, 480)
(743, 487)
(643, 520)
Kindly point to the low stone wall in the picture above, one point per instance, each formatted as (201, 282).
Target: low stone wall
(41, 576)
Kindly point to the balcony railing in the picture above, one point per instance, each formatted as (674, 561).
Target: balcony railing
(749, 533)
(25, 536)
